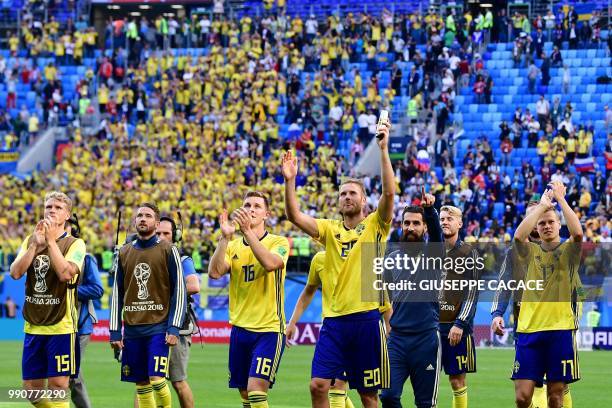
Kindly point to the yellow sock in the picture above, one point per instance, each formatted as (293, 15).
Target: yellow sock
(348, 403)
(43, 403)
(539, 399)
(337, 398)
(567, 398)
(61, 404)
(162, 393)
(246, 403)
(258, 399)
(145, 397)
(460, 398)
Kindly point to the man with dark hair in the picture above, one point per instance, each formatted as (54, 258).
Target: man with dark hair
(89, 289)
(168, 231)
(149, 295)
(414, 341)
(257, 264)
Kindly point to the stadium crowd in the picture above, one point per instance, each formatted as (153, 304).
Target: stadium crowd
(193, 132)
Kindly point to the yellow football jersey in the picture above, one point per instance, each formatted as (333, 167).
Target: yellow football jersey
(318, 275)
(343, 258)
(68, 324)
(556, 306)
(257, 297)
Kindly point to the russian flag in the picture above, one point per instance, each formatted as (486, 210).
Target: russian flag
(585, 164)
(423, 160)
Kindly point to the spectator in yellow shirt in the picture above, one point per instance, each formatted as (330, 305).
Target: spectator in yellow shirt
(585, 200)
(13, 44)
(543, 147)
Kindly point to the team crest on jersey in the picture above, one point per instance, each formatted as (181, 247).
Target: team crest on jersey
(337, 236)
(235, 256)
(359, 229)
(142, 272)
(125, 370)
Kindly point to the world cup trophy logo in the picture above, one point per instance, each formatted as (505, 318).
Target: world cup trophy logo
(142, 273)
(41, 267)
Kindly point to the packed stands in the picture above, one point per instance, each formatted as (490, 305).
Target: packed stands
(194, 113)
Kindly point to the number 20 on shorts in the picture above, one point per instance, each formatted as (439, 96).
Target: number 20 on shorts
(371, 378)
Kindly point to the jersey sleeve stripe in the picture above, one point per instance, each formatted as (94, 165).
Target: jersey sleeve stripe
(434, 400)
(502, 272)
(114, 305)
(180, 283)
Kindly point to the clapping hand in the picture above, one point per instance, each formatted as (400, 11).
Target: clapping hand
(558, 190)
(227, 228)
(243, 218)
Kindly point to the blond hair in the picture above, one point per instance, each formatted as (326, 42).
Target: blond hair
(452, 210)
(59, 196)
(554, 210)
(352, 180)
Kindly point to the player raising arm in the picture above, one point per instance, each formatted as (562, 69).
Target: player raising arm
(363, 358)
(548, 320)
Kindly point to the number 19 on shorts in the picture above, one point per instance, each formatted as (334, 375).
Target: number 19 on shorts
(161, 364)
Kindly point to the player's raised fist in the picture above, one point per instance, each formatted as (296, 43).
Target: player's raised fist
(382, 131)
(289, 166)
(227, 228)
(427, 200)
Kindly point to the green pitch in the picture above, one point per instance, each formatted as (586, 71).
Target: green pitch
(489, 387)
